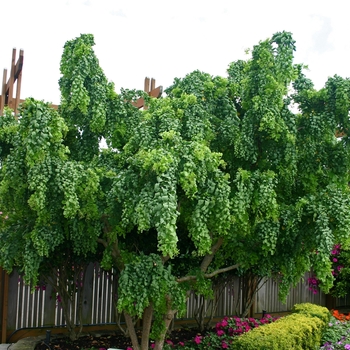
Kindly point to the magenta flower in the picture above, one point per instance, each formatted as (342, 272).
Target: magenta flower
(224, 323)
(224, 345)
(197, 339)
(335, 259)
(220, 332)
(181, 343)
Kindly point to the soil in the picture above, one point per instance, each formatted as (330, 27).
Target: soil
(114, 340)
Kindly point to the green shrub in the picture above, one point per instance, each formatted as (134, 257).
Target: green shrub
(313, 310)
(301, 330)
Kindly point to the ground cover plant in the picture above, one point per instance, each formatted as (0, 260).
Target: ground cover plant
(221, 336)
(337, 334)
(220, 174)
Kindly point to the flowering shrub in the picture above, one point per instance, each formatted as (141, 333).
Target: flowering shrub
(313, 284)
(340, 317)
(223, 334)
(337, 335)
(340, 258)
(341, 271)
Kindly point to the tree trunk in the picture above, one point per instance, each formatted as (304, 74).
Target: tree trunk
(146, 327)
(132, 332)
(168, 317)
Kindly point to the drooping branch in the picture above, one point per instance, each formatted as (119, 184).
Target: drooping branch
(116, 255)
(208, 275)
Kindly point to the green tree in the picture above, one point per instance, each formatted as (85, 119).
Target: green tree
(50, 191)
(226, 166)
(219, 174)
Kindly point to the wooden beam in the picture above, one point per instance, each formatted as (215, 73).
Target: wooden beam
(5, 307)
(157, 92)
(18, 78)
(3, 93)
(19, 64)
(146, 86)
(10, 83)
(152, 91)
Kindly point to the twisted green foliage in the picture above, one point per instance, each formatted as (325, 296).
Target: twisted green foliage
(49, 199)
(170, 175)
(85, 96)
(217, 159)
(144, 282)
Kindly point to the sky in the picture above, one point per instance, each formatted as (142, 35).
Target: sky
(165, 39)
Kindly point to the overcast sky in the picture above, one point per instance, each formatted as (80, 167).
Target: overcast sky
(167, 39)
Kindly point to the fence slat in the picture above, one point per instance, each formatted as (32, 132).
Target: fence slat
(41, 309)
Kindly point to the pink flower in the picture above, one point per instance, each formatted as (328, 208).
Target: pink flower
(335, 259)
(220, 332)
(224, 345)
(129, 348)
(224, 323)
(197, 339)
(153, 345)
(169, 342)
(181, 343)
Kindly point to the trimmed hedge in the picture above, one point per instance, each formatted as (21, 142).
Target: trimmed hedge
(300, 330)
(313, 310)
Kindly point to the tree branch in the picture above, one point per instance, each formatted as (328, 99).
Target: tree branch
(209, 258)
(208, 275)
(115, 252)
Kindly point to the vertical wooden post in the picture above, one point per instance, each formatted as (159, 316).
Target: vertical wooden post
(146, 89)
(10, 102)
(3, 91)
(7, 88)
(153, 84)
(18, 78)
(5, 295)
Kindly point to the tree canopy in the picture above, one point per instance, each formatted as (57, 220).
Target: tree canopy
(253, 166)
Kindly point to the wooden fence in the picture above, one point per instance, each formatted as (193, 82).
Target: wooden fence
(40, 309)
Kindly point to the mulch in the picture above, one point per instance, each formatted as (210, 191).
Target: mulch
(115, 340)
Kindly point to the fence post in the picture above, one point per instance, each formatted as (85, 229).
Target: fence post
(4, 290)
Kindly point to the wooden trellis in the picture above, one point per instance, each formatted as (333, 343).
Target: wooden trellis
(151, 89)
(7, 97)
